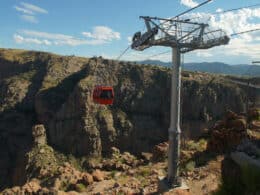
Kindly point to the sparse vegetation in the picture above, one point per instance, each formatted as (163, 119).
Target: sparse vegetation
(58, 90)
(190, 166)
(199, 146)
(80, 187)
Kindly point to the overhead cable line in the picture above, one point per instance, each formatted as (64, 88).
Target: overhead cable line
(235, 9)
(158, 54)
(123, 53)
(168, 51)
(238, 33)
(229, 10)
(191, 9)
(205, 2)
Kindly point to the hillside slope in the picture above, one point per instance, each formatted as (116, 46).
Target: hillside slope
(56, 91)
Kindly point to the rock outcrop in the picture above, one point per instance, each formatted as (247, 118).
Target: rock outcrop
(39, 135)
(160, 152)
(228, 132)
(56, 91)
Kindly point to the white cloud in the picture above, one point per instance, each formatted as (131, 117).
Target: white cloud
(189, 3)
(205, 53)
(20, 39)
(129, 40)
(102, 33)
(46, 42)
(247, 45)
(219, 10)
(34, 8)
(53, 36)
(230, 22)
(240, 46)
(29, 18)
(57, 38)
(28, 12)
(23, 10)
(62, 39)
(77, 42)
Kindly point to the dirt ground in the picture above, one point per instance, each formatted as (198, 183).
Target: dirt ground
(202, 180)
(208, 178)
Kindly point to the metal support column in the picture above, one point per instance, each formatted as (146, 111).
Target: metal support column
(182, 36)
(174, 129)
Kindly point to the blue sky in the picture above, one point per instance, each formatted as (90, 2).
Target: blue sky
(102, 27)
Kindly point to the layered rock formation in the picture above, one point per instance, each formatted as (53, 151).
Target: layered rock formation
(56, 91)
(228, 132)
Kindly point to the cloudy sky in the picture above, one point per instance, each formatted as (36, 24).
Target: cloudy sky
(105, 27)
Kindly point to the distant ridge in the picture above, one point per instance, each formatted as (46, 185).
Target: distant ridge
(214, 67)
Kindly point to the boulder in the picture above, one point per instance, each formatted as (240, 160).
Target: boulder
(31, 187)
(237, 124)
(160, 151)
(147, 156)
(255, 125)
(57, 184)
(98, 175)
(39, 134)
(228, 132)
(87, 179)
(114, 151)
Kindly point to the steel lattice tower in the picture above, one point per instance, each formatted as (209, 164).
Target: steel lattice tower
(182, 36)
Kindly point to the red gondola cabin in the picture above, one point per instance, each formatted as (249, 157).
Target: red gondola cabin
(103, 95)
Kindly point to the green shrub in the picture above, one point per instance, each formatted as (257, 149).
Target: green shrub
(80, 187)
(190, 166)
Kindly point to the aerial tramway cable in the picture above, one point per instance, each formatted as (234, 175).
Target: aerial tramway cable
(102, 94)
(243, 32)
(235, 9)
(228, 10)
(149, 57)
(205, 2)
(168, 51)
(123, 53)
(149, 39)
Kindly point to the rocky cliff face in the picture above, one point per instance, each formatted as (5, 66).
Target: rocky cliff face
(56, 91)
